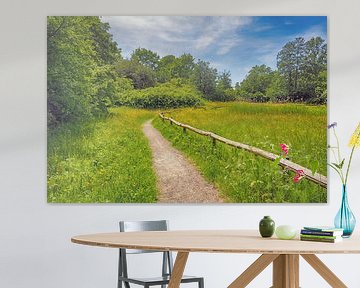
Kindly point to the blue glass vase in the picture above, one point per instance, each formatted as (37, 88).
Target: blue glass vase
(345, 219)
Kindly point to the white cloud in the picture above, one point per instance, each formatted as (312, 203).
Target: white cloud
(313, 31)
(222, 32)
(262, 28)
(177, 34)
(204, 41)
(227, 45)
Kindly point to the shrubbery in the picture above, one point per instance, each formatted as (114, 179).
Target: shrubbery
(81, 78)
(171, 94)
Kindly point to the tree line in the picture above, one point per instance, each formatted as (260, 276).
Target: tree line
(86, 74)
(301, 75)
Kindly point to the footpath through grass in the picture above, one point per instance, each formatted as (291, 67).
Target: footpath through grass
(103, 161)
(242, 176)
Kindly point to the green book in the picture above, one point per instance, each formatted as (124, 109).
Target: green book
(325, 240)
(319, 236)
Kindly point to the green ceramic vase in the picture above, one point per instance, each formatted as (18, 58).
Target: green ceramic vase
(266, 227)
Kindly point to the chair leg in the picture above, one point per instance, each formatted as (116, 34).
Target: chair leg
(201, 283)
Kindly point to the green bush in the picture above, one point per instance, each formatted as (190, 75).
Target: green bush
(172, 94)
(223, 95)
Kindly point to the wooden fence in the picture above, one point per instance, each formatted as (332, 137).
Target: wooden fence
(287, 164)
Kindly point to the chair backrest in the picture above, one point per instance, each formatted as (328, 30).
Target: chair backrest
(134, 226)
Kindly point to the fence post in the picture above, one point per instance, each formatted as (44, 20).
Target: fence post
(213, 140)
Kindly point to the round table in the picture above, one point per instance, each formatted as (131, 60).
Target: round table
(284, 254)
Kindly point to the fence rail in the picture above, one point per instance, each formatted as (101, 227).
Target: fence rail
(316, 177)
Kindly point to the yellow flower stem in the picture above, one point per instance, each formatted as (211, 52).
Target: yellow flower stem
(351, 155)
(348, 167)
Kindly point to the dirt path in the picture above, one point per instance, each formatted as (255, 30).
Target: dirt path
(179, 181)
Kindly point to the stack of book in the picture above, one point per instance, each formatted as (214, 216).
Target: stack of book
(321, 234)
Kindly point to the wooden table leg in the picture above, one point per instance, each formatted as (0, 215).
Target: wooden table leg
(286, 271)
(178, 269)
(253, 270)
(324, 271)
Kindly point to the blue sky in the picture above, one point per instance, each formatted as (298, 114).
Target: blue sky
(234, 43)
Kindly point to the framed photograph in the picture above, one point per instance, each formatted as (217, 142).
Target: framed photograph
(187, 109)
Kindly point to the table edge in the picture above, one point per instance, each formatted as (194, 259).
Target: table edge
(203, 250)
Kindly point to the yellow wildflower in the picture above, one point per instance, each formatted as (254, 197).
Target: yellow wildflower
(355, 138)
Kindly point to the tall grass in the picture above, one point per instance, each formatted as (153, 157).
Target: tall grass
(244, 177)
(102, 161)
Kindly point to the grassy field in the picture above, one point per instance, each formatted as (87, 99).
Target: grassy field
(102, 161)
(109, 160)
(241, 176)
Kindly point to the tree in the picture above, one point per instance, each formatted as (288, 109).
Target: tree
(301, 64)
(80, 71)
(204, 79)
(290, 61)
(277, 91)
(164, 69)
(106, 48)
(314, 69)
(171, 67)
(224, 90)
(256, 82)
(224, 81)
(146, 57)
(141, 76)
(183, 67)
(321, 89)
(315, 60)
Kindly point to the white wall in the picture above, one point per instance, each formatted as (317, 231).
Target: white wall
(35, 248)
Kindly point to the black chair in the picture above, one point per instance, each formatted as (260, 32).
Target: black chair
(167, 265)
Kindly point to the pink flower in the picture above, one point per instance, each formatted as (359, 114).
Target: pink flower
(284, 148)
(299, 175)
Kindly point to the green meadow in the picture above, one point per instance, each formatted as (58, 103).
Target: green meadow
(240, 175)
(102, 161)
(109, 160)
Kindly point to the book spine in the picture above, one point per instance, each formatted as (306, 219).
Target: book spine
(317, 239)
(318, 236)
(320, 233)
